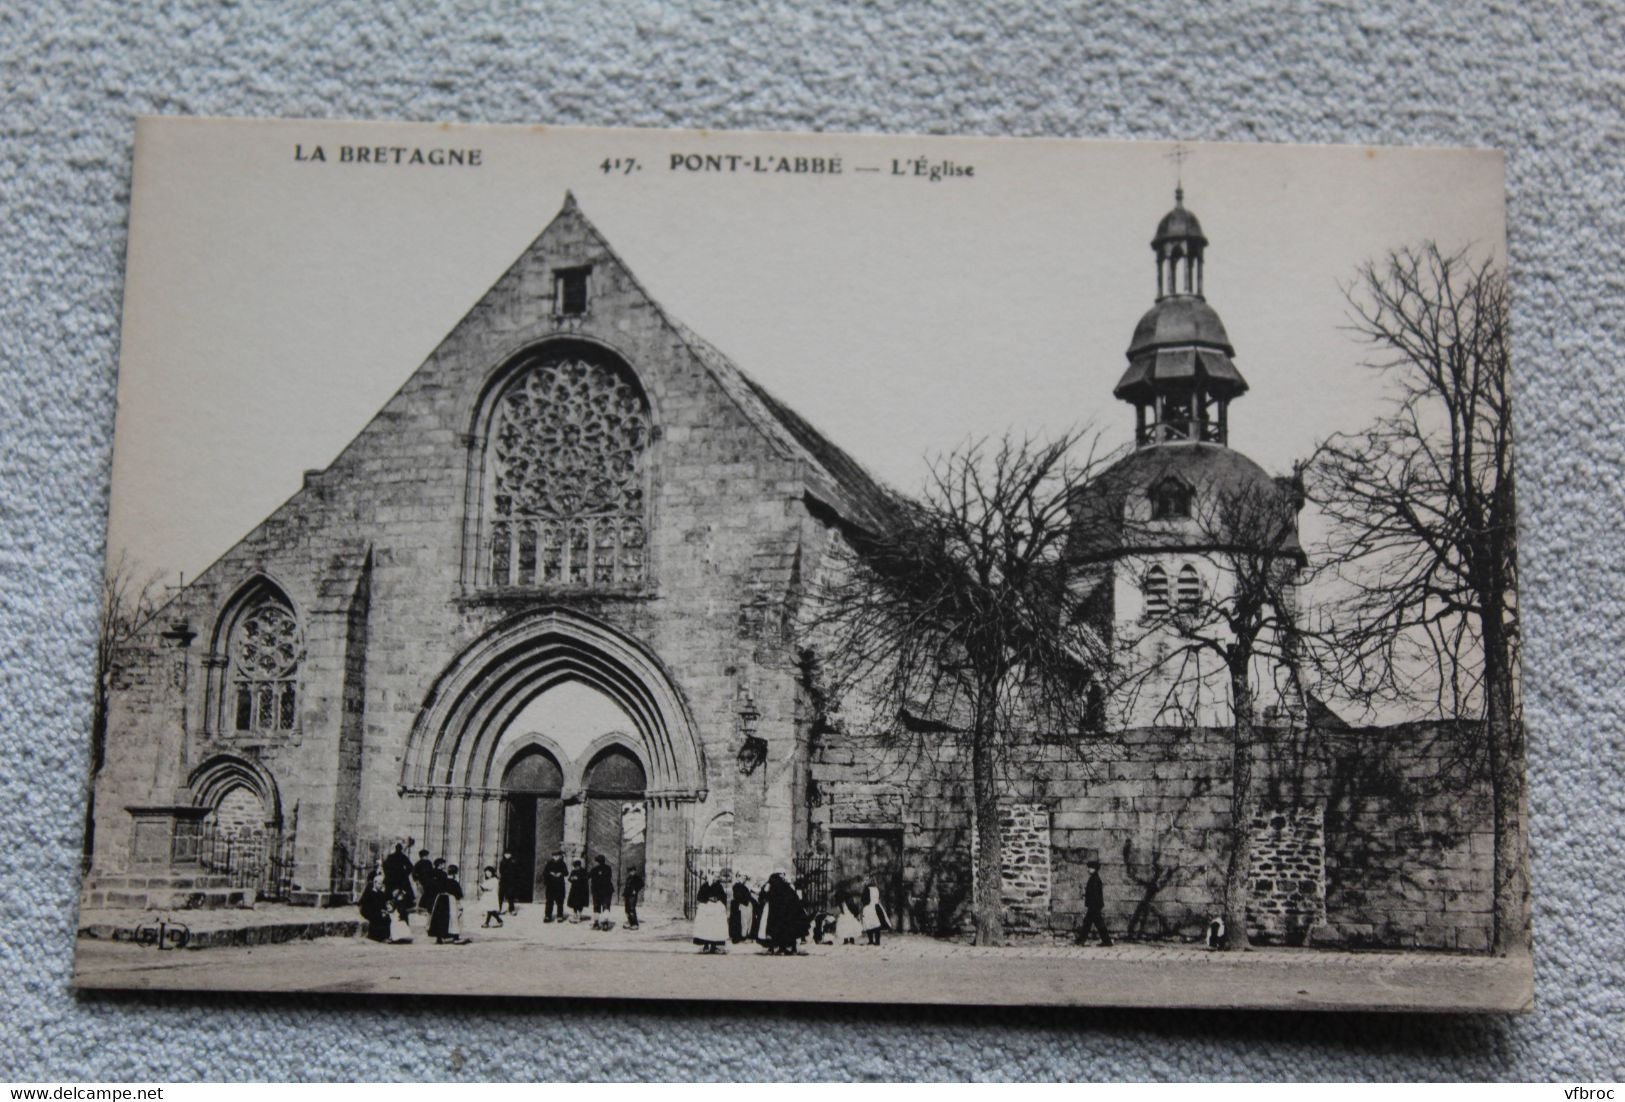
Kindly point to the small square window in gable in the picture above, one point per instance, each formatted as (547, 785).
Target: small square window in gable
(570, 291)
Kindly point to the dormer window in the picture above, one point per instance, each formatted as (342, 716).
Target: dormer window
(570, 291)
(1170, 499)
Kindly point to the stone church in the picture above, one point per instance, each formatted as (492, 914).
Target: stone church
(545, 600)
(535, 604)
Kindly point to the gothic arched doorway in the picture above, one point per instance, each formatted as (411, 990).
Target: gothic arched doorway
(497, 698)
(616, 814)
(242, 834)
(533, 815)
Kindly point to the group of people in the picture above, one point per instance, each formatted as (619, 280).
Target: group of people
(576, 887)
(777, 916)
(400, 892)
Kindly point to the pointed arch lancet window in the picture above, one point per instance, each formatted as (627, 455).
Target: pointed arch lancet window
(566, 451)
(264, 649)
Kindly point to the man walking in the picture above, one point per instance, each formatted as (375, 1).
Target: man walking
(1094, 903)
(507, 883)
(554, 875)
(630, 892)
(601, 882)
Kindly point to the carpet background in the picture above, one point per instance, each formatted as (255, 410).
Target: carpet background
(1543, 82)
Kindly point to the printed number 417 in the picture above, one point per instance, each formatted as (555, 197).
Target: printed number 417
(624, 165)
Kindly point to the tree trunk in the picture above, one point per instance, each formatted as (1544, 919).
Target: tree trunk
(1509, 790)
(98, 756)
(989, 879)
(1241, 792)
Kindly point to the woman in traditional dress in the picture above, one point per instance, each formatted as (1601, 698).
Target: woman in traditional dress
(848, 922)
(446, 922)
(578, 889)
(374, 907)
(711, 915)
(875, 918)
(739, 907)
(784, 921)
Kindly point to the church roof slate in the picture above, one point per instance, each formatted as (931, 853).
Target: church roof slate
(840, 481)
(834, 477)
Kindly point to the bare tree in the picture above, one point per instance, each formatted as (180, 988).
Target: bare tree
(127, 600)
(1217, 630)
(1423, 527)
(957, 628)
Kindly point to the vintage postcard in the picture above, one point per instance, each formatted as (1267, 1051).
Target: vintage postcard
(890, 569)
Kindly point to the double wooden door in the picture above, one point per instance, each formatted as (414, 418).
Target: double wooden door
(867, 857)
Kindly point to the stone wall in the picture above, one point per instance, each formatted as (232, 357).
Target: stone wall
(1024, 865)
(1388, 827)
(1286, 892)
(240, 813)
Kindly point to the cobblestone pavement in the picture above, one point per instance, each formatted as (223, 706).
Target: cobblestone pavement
(529, 957)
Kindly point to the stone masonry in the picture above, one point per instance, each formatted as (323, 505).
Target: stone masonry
(381, 559)
(1400, 817)
(1286, 892)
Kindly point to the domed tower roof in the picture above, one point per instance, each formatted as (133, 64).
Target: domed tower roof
(1179, 361)
(1179, 223)
(1214, 476)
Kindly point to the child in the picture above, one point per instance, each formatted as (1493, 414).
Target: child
(400, 928)
(848, 923)
(491, 896)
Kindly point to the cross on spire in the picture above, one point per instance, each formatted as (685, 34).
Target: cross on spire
(1178, 156)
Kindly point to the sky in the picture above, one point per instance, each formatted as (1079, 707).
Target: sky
(274, 302)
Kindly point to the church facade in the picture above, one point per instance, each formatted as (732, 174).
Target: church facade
(546, 600)
(573, 501)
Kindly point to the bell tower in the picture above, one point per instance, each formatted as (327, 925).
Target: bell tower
(1180, 378)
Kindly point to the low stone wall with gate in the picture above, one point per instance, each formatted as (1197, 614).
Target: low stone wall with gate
(1376, 836)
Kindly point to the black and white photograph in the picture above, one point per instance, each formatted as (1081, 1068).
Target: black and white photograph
(716, 565)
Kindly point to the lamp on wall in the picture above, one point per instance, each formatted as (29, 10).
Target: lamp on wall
(180, 634)
(752, 748)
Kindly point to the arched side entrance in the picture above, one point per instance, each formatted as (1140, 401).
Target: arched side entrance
(242, 836)
(617, 818)
(455, 780)
(533, 815)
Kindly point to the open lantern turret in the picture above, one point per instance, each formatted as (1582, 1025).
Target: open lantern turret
(1180, 378)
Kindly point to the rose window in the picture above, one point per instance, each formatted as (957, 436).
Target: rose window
(567, 497)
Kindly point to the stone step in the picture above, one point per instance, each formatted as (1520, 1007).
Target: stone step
(168, 898)
(180, 937)
(301, 897)
(174, 881)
